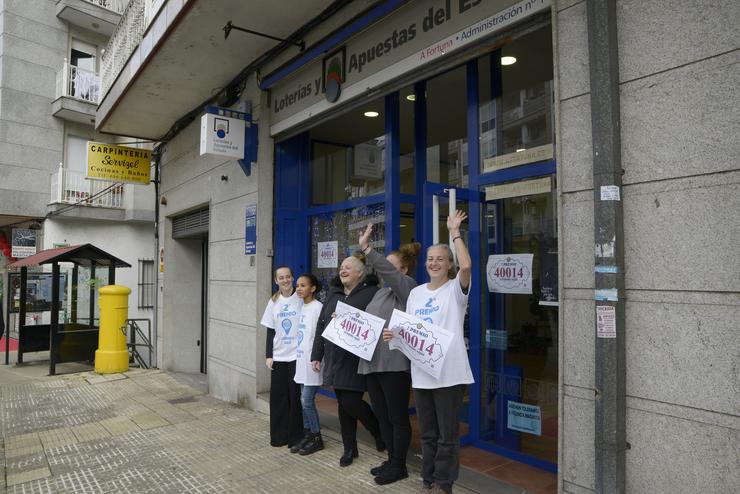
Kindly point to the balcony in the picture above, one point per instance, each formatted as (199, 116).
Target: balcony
(162, 62)
(77, 94)
(100, 16)
(71, 187)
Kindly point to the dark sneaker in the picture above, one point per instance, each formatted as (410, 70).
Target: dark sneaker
(391, 474)
(375, 471)
(314, 444)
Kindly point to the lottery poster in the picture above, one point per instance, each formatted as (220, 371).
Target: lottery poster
(510, 273)
(354, 330)
(425, 344)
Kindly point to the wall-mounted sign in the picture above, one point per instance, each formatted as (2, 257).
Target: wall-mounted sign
(410, 37)
(518, 189)
(222, 135)
(522, 157)
(368, 161)
(510, 273)
(327, 254)
(250, 230)
(118, 163)
(23, 242)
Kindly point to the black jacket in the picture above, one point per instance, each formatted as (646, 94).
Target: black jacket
(340, 366)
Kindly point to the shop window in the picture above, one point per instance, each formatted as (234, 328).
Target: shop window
(334, 236)
(407, 97)
(515, 109)
(348, 155)
(447, 132)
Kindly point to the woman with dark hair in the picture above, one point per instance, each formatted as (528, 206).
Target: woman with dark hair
(281, 320)
(307, 287)
(388, 378)
(443, 302)
(353, 287)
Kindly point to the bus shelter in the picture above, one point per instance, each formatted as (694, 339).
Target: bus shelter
(74, 339)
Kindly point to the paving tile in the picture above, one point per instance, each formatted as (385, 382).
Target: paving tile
(27, 476)
(57, 437)
(89, 432)
(119, 425)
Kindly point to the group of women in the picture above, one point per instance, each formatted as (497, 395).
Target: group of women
(301, 360)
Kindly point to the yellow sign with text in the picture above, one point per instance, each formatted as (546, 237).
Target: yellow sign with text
(118, 163)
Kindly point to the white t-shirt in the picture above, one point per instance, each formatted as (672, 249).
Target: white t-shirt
(304, 374)
(443, 307)
(282, 316)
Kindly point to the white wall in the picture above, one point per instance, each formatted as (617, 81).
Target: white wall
(128, 241)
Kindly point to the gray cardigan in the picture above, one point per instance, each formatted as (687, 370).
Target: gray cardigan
(392, 296)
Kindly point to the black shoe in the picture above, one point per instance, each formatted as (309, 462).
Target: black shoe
(391, 474)
(300, 444)
(379, 443)
(348, 456)
(375, 471)
(314, 444)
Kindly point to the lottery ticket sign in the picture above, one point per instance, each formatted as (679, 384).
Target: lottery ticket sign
(510, 273)
(355, 331)
(425, 344)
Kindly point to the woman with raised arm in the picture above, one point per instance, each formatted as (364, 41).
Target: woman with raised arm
(388, 377)
(281, 320)
(443, 302)
(352, 287)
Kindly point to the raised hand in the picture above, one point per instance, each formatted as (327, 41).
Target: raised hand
(454, 222)
(365, 236)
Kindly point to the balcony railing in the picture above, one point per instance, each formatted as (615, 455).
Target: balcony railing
(70, 187)
(125, 39)
(78, 83)
(117, 6)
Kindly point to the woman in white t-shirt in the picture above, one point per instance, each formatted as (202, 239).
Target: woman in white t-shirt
(307, 287)
(281, 320)
(443, 302)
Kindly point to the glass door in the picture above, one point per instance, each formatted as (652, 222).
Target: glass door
(439, 201)
(519, 357)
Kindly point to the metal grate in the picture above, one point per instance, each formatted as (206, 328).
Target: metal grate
(147, 283)
(191, 224)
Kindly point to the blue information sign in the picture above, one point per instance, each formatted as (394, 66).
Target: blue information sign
(250, 231)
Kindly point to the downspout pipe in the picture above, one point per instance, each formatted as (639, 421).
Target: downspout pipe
(157, 157)
(610, 410)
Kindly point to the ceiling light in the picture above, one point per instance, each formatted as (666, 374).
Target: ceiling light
(508, 60)
(411, 97)
(371, 114)
(520, 150)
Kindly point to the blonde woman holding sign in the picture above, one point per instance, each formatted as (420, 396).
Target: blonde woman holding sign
(443, 302)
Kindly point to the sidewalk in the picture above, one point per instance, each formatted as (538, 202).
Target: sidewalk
(147, 431)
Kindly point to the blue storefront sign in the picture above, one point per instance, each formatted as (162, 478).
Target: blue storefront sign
(250, 230)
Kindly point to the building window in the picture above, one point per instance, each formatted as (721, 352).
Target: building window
(147, 283)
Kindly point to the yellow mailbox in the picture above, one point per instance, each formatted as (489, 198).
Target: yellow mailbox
(112, 354)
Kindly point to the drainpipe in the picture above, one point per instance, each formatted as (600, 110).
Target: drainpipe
(609, 434)
(157, 156)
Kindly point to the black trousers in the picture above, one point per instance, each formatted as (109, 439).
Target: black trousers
(286, 416)
(437, 410)
(389, 394)
(352, 408)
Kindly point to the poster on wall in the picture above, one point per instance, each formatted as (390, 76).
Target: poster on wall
(23, 242)
(510, 273)
(328, 254)
(548, 271)
(250, 230)
(355, 331)
(425, 344)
